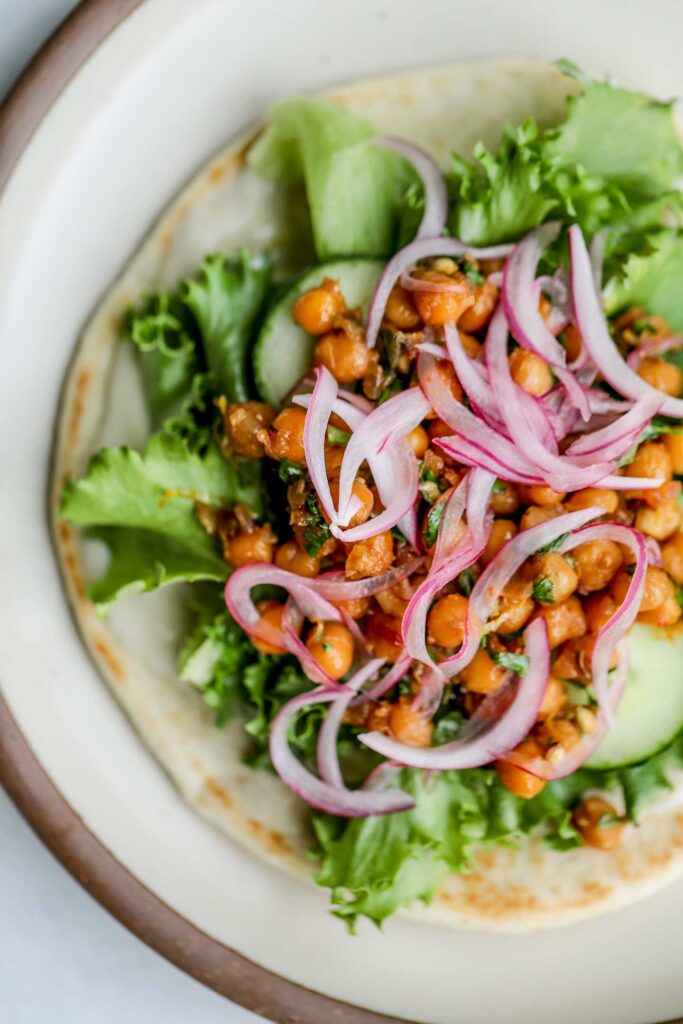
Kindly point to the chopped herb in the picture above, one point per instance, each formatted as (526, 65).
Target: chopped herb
(679, 594)
(337, 436)
(608, 820)
(570, 560)
(389, 391)
(470, 271)
(316, 531)
(429, 486)
(398, 535)
(499, 487)
(642, 327)
(466, 581)
(519, 663)
(542, 590)
(431, 529)
(630, 569)
(289, 471)
(553, 545)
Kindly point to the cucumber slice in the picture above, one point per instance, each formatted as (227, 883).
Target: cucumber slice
(283, 352)
(650, 715)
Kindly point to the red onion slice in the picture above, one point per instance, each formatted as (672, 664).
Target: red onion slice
(592, 325)
(652, 348)
(475, 385)
(389, 679)
(435, 192)
(327, 757)
(449, 526)
(613, 441)
(292, 622)
(315, 433)
(420, 249)
(501, 722)
(578, 754)
(396, 472)
(416, 284)
(340, 801)
(520, 296)
(334, 586)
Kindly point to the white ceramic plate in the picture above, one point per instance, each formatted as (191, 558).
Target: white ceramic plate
(168, 87)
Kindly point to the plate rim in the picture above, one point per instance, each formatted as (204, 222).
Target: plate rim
(22, 776)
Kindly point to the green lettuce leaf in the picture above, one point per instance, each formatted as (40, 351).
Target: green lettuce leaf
(650, 276)
(355, 191)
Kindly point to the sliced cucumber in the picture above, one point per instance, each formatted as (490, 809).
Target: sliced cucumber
(651, 711)
(283, 352)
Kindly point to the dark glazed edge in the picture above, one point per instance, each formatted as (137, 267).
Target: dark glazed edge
(21, 774)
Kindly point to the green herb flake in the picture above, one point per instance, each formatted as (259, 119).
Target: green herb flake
(519, 663)
(553, 545)
(543, 590)
(289, 471)
(434, 517)
(337, 436)
(499, 487)
(466, 581)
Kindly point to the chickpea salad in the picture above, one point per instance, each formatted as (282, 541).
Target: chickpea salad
(426, 490)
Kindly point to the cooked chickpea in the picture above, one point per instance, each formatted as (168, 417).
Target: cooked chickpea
(597, 497)
(271, 614)
(540, 494)
(563, 732)
(573, 342)
(665, 614)
(554, 699)
(519, 781)
(661, 522)
(257, 545)
(384, 637)
(530, 371)
(334, 456)
(597, 822)
(674, 445)
(315, 311)
(599, 609)
(504, 500)
(357, 608)
(346, 357)
(482, 675)
(478, 315)
(564, 621)
(290, 556)
(471, 346)
(662, 375)
(243, 422)
(408, 725)
(446, 621)
(515, 606)
(534, 515)
(657, 587)
(390, 602)
(554, 578)
(650, 328)
(362, 493)
(331, 644)
(672, 556)
(285, 437)
(400, 309)
(370, 557)
(652, 460)
(501, 532)
(418, 439)
(439, 428)
(439, 308)
(596, 563)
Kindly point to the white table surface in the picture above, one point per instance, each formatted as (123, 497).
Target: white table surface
(64, 960)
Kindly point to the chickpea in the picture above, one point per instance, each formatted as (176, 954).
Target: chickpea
(408, 725)
(540, 494)
(662, 375)
(674, 445)
(446, 621)
(504, 500)
(471, 346)
(501, 532)
(384, 637)
(596, 820)
(257, 545)
(665, 614)
(345, 357)
(650, 328)
(390, 602)
(285, 437)
(289, 556)
(439, 428)
(534, 515)
(652, 460)
(478, 315)
(518, 780)
(562, 580)
(657, 587)
(243, 422)
(271, 613)
(331, 644)
(334, 456)
(439, 308)
(418, 439)
(362, 492)
(596, 563)
(357, 608)
(450, 379)
(672, 556)
(530, 371)
(599, 497)
(563, 732)
(573, 342)
(564, 621)
(400, 309)
(661, 522)
(548, 314)
(370, 557)
(316, 309)
(482, 675)
(515, 606)
(554, 699)
(599, 609)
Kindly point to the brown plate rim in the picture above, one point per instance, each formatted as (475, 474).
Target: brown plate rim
(36, 797)
(21, 774)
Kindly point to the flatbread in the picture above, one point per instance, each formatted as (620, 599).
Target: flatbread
(224, 207)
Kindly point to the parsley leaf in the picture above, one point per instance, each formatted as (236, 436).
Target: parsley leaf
(543, 590)
(431, 528)
(518, 663)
